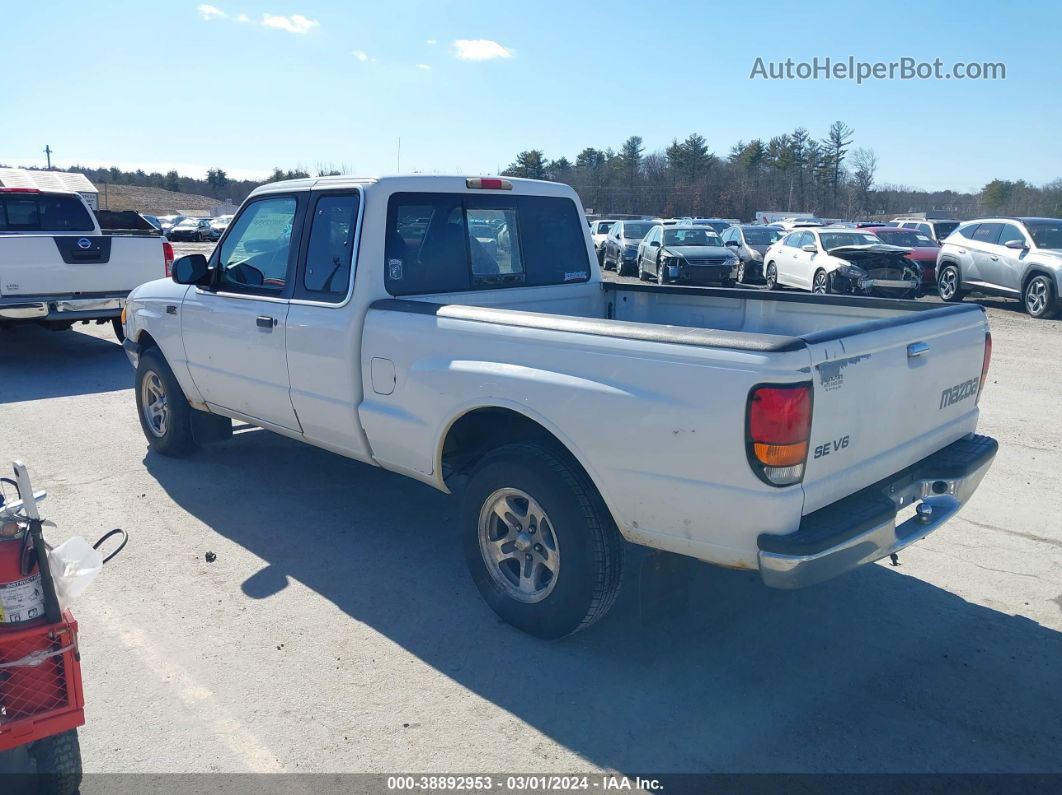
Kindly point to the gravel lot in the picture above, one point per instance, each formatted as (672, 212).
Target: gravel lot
(338, 631)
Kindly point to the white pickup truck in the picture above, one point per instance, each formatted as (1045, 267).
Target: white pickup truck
(57, 267)
(457, 331)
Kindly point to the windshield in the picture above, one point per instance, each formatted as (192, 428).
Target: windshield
(691, 237)
(945, 228)
(636, 231)
(1046, 234)
(905, 237)
(189, 222)
(832, 240)
(761, 236)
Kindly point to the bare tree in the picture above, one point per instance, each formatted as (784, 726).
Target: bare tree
(864, 166)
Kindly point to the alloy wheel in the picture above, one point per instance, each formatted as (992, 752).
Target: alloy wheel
(518, 545)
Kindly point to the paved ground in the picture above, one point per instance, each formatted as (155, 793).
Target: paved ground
(337, 629)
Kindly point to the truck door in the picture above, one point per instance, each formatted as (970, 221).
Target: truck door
(324, 325)
(234, 332)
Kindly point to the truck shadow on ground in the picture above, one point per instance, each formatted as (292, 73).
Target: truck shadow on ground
(875, 671)
(36, 363)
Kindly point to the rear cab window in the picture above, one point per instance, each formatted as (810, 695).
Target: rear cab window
(454, 242)
(43, 212)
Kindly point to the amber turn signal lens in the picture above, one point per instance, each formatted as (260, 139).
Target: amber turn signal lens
(780, 455)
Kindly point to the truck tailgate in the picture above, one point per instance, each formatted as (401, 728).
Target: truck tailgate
(66, 264)
(889, 394)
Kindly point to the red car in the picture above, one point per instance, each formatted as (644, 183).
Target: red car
(923, 251)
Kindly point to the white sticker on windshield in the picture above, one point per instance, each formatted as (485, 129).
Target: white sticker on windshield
(575, 276)
(394, 268)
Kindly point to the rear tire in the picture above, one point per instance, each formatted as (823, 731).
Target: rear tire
(1039, 298)
(771, 276)
(949, 284)
(553, 517)
(165, 415)
(119, 331)
(58, 759)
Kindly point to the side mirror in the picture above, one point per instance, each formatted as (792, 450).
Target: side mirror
(1016, 244)
(190, 269)
(732, 244)
(810, 248)
(654, 243)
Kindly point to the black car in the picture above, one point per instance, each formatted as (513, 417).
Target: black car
(686, 254)
(621, 246)
(750, 242)
(191, 229)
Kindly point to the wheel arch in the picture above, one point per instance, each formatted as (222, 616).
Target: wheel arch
(1038, 270)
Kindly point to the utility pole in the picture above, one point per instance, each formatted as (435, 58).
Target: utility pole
(48, 153)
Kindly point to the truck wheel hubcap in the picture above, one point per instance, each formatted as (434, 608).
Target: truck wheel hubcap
(1037, 298)
(518, 545)
(153, 399)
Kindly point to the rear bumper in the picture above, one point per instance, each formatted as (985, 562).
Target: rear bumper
(862, 527)
(63, 309)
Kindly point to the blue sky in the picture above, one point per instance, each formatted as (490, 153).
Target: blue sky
(248, 85)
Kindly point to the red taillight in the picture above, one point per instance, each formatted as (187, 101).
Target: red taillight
(20, 190)
(488, 183)
(984, 364)
(778, 426)
(167, 256)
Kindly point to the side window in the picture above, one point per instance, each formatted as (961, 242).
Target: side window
(257, 252)
(330, 249)
(1010, 232)
(728, 234)
(987, 233)
(968, 231)
(925, 229)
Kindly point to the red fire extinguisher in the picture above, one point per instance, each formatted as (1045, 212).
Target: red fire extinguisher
(27, 599)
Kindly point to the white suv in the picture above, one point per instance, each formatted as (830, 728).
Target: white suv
(1011, 257)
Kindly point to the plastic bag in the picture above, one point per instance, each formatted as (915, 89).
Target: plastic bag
(74, 565)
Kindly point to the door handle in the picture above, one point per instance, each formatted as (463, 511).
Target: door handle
(265, 321)
(916, 349)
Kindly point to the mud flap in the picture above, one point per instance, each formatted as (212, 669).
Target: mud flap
(663, 586)
(209, 428)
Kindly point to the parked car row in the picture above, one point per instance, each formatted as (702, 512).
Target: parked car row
(186, 229)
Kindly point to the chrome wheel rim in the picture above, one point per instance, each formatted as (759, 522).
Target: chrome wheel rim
(948, 281)
(518, 545)
(155, 407)
(1036, 296)
(772, 275)
(741, 272)
(820, 284)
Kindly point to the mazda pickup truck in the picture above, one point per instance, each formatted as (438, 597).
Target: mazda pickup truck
(57, 267)
(457, 331)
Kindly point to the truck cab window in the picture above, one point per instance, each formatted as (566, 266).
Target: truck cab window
(329, 252)
(493, 241)
(255, 255)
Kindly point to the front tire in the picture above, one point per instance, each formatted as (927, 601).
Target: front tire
(771, 276)
(1039, 297)
(820, 282)
(741, 272)
(119, 330)
(58, 759)
(539, 542)
(949, 284)
(165, 416)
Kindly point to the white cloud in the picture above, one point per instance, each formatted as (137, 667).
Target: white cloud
(433, 41)
(480, 50)
(424, 67)
(296, 23)
(209, 12)
(361, 55)
(243, 18)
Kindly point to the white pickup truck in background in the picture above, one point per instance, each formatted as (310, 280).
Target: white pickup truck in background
(57, 267)
(457, 331)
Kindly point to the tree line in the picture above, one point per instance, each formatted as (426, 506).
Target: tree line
(215, 183)
(791, 172)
